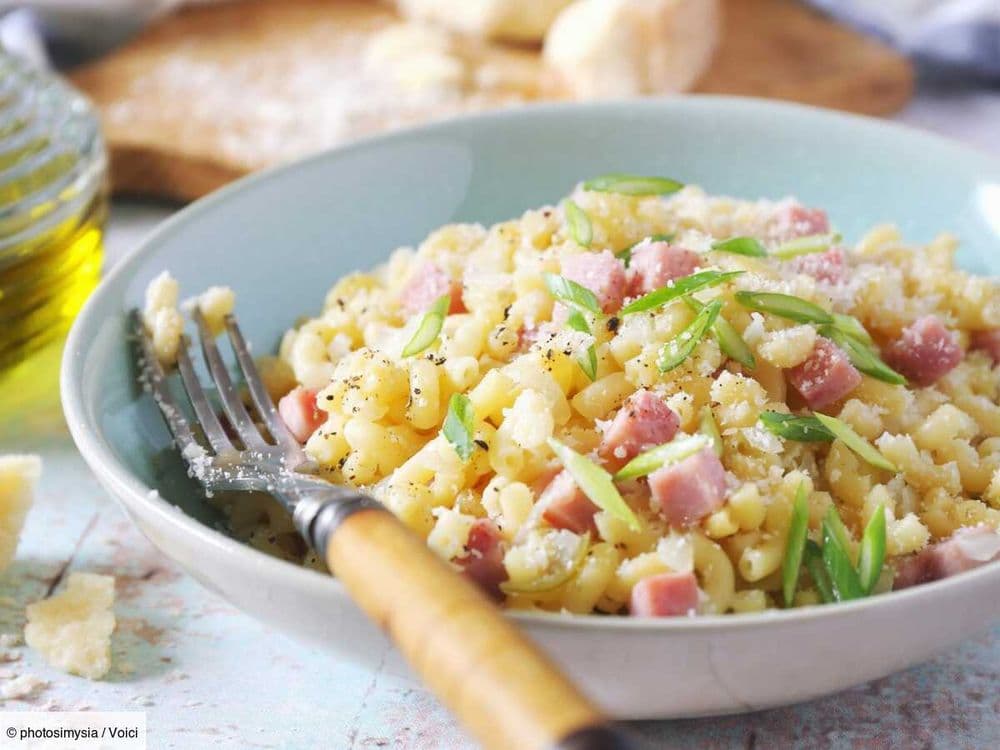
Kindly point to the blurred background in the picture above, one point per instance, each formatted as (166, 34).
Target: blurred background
(114, 113)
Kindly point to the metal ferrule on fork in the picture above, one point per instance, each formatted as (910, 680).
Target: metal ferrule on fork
(318, 514)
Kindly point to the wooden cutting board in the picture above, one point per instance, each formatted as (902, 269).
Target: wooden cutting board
(217, 91)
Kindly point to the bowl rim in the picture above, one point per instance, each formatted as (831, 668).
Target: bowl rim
(127, 487)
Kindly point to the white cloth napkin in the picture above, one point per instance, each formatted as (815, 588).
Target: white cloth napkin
(75, 29)
(962, 35)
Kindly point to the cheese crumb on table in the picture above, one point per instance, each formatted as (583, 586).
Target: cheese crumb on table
(72, 630)
(22, 686)
(18, 476)
(622, 48)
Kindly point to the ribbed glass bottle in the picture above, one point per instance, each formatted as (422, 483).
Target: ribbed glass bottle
(53, 205)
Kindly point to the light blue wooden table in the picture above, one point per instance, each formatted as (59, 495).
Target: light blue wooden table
(208, 676)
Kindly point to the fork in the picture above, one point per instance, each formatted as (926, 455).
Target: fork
(505, 691)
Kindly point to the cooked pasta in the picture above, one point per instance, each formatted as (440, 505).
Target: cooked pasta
(805, 325)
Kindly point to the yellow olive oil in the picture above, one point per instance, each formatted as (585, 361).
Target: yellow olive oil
(53, 206)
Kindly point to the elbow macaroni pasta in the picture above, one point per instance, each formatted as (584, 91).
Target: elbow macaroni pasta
(521, 374)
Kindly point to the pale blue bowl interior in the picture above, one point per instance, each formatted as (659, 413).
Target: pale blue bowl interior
(280, 239)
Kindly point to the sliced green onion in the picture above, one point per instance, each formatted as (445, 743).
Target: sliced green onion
(573, 294)
(748, 246)
(814, 243)
(730, 341)
(708, 427)
(732, 344)
(587, 360)
(663, 455)
(862, 356)
(430, 326)
(865, 450)
(580, 228)
(852, 327)
(784, 306)
(837, 528)
(813, 558)
(630, 184)
(577, 322)
(872, 554)
(595, 483)
(795, 545)
(625, 256)
(681, 287)
(677, 350)
(459, 425)
(791, 427)
(844, 580)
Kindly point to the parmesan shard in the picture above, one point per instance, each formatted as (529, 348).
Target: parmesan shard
(600, 49)
(72, 629)
(19, 475)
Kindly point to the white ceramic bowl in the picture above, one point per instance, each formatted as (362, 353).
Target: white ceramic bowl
(282, 237)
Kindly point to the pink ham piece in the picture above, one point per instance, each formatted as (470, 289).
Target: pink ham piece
(830, 266)
(483, 565)
(654, 264)
(826, 376)
(989, 342)
(794, 220)
(644, 422)
(566, 507)
(665, 595)
(426, 285)
(298, 411)
(602, 273)
(689, 490)
(966, 549)
(925, 351)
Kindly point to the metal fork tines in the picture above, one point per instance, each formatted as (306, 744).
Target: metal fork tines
(244, 457)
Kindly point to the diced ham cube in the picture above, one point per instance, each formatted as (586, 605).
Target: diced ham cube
(483, 565)
(925, 351)
(643, 422)
(830, 266)
(826, 376)
(691, 489)
(602, 273)
(912, 571)
(795, 220)
(966, 549)
(653, 264)
(665, 595)
(298, 411)
(426, 285)
(989, 342)
(566, 507)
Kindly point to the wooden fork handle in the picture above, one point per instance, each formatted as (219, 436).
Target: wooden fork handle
(476, 661)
